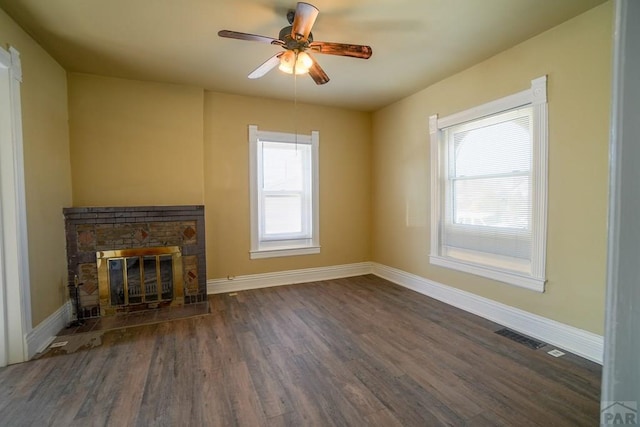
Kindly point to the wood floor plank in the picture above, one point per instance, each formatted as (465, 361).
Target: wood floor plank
(340, 379)
(382, 418)
(270, 391)
(211, 405)
(355, 351)
(435, 375)
(404, 399)
(308, 411)
(245, 403)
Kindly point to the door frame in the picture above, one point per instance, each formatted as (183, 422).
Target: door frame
(15, 298)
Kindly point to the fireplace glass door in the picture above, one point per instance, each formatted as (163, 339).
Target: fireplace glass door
(130, 284)
(134, 277)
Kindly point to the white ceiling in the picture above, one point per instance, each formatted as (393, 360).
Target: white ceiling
(415, 42)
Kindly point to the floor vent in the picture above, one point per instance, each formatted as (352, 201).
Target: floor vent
(514, 336)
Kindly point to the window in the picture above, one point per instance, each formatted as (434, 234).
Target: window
(284, 193)
(489, 179)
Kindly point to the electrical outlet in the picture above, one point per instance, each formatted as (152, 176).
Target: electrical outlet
(555, 353)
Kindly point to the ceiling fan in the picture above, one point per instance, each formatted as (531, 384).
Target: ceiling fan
(297, 42)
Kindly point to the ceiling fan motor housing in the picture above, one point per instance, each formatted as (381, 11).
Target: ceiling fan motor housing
(291, 43)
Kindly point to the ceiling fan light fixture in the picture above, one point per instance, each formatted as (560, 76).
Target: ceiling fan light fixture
(298, 61)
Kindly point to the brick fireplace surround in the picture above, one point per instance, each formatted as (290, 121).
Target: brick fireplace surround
(92, 229)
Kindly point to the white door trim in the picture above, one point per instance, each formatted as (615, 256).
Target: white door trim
(14, 253)
(621, 372)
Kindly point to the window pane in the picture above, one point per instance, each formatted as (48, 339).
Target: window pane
(494, 202)
(166, 276)
(283, 166)
(116, 281)
(282, 214)
(498, 148)
(489, 201)
(150, 278)
(133, 280)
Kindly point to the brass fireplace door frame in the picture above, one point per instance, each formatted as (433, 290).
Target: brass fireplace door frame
(104, 286)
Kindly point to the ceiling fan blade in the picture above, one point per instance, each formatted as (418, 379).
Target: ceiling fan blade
(303, 20)
(342, 49)
(266, 66)
(250, 37)
(317, 73)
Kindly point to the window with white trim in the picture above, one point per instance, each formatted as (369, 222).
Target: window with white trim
(284, 193)
(489, 189)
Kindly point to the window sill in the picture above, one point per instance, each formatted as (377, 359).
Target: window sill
(506, 276)
(284, 251)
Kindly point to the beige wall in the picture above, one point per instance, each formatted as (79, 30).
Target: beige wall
(141, 143)
(46, 166)
(135, 143)
(576, 56)
(345, 169)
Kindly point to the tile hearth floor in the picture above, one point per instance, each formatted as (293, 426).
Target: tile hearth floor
(137, 318)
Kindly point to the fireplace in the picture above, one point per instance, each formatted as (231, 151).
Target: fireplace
(128, 258)
(130, 279)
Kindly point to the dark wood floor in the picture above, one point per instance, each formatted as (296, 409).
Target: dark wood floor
(357, 352)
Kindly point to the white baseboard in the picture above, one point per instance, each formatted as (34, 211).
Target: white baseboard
(577, 341)
(43, 334)
(290, 277)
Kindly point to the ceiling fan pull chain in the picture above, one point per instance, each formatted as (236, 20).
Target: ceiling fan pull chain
(295, 104)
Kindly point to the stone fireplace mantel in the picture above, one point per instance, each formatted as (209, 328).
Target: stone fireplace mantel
(93, 229)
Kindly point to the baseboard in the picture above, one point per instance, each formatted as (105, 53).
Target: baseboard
(583, 343)
(577, 341)
(290, 277)
(43, 334)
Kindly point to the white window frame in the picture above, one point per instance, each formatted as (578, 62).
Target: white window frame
(285, 245)
(534, 276)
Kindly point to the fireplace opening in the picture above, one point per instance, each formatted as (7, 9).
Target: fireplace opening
(133, 279)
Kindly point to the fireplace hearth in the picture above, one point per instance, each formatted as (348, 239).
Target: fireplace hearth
(131, 258)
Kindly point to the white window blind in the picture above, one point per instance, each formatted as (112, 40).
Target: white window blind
(488, 195)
